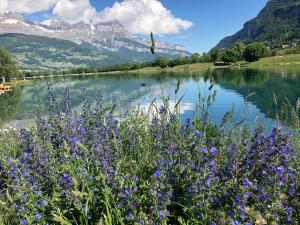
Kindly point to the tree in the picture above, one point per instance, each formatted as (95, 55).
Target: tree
(216, 54)
(8, 68)
(230, 56)
(255, 52)
(240, 48)
(80, 70)
(206, 57)
(161, 62)
(178, 61)
(195, 58)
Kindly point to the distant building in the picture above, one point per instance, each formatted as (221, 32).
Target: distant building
(286, 46)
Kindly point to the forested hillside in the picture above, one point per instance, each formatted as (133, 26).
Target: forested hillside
(278, 23)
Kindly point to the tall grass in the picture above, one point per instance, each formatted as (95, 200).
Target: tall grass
(94, 168)
(289, 115)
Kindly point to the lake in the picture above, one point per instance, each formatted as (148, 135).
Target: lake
(249, 92)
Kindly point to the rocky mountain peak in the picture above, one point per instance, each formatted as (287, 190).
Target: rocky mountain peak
(105, 38)
(57, 25)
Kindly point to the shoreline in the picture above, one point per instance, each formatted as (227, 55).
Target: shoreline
(156, 70)
(74, 75)
(146, 70)
(283, 62)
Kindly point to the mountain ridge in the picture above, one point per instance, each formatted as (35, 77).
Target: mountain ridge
(276, 24)
(108, 39)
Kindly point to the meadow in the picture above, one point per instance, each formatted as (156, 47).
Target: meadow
(148, 167)
(284, 60)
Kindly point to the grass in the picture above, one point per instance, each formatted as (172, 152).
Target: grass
(285, 60)
(181, 68)
(290, 62)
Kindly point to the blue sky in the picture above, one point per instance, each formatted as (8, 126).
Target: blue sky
(197, 24)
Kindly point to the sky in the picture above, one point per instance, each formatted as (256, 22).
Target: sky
(197, 24)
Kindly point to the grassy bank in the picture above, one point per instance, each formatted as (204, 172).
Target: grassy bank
(182, 68)
(146, 70)
(285, 60)
(19, 83)
(93, 168)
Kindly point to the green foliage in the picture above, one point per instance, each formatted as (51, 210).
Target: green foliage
(240, 48)
(195, 58)
(180, 61)
(206, 57)
(230, 56)
(240, 51)
(255, 52)
(276, 24)
(8, 67)
(292, 51)
(161, 62)
(216, 54)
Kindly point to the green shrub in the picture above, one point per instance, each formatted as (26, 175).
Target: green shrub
(8, 68)
(256, 51)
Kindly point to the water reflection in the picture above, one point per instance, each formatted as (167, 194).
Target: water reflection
(266, 84)
(9, 105)
(128, 91)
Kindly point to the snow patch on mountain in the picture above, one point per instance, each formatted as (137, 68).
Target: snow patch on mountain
(110, 36)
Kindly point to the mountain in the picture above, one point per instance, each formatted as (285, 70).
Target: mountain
(278, 23)
(59, 45)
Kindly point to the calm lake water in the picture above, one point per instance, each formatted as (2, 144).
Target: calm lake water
(250, 92)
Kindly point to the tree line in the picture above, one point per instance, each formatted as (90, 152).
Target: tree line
(250, 53)
(241, 52)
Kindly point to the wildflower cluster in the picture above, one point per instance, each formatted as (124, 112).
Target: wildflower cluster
(94, 168)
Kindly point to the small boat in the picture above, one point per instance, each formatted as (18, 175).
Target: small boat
(143, 84)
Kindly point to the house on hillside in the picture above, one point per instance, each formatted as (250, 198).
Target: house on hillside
(286, 46)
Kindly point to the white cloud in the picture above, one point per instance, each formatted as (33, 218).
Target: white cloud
(144, 16)
(26, 6)
(3, 5)
(75, 11)
(138, 16)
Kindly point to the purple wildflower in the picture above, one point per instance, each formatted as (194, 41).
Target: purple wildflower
(157, 173)
(38, 216)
